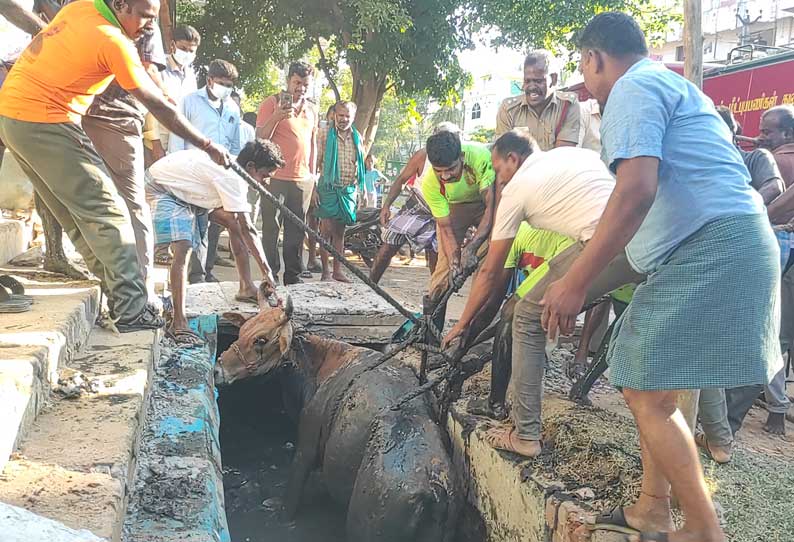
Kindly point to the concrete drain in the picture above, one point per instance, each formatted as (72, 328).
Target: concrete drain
(258, 438)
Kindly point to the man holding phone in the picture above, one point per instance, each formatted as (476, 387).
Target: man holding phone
(289, 119)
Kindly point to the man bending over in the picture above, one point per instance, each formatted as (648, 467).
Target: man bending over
(185, 185)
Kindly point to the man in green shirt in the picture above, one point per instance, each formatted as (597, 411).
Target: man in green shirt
(459, 189)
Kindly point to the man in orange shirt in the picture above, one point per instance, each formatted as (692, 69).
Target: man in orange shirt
(42, 102)
(289, 119)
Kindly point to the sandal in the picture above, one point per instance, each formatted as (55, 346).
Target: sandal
(11, 303)
(306, 274)
(15, 287)
(246, 298)
(484, 407)
(163, 259)
(149, 318)
(185, 337)
(718, 456)
(501, 439)
(613, 521)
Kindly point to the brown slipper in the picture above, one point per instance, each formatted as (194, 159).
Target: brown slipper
(503, 439)
(718, 456)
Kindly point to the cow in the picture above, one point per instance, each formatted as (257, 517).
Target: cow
(390, 469)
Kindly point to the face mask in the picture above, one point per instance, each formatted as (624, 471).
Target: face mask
(184, 58)
(221, 92)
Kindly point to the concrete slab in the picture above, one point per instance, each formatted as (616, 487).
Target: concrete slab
(13, 239)
(35, 344)
(178, 494)
(76, 463)
(348, 312)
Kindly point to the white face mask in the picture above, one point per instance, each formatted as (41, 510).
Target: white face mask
(221, 92)
(184, 58)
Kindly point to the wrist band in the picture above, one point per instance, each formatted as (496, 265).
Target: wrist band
(206, 144)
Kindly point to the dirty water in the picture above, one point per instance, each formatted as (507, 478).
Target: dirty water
(258, 441)
(257, 445)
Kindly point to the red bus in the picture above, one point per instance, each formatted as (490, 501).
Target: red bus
(748, 87)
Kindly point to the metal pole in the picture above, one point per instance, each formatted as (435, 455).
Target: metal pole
(693, 70)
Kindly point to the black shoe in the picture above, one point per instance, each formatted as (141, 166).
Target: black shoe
(292, 280)
(147, 319)
(209, 277)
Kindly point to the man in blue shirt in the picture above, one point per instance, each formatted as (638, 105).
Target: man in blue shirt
(685, 213)
(213, 111)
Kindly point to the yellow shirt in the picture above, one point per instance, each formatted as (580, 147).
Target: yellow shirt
(67, 64)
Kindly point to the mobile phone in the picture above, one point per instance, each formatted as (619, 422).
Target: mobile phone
(285, 100)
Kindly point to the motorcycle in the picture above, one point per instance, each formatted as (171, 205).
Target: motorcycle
(364, 237)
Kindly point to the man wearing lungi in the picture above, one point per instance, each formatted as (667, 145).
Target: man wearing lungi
(342, 165)
(182, 188)
(684, 212)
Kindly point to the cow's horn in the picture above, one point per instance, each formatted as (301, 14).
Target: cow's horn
(288, 307)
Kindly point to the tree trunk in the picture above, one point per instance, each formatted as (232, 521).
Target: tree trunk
(368, 91)
(166, 23)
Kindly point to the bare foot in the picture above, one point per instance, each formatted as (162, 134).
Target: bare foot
(247, 294)
(340, 277)
(775, 424)
(65, 267)
(650, 514)
(506, 439)
(326, 277)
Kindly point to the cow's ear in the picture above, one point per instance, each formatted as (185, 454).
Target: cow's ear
(235, 318)
(285, 339)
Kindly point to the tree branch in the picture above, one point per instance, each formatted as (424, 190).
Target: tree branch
(326, 69)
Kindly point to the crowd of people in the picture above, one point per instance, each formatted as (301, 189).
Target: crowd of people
(128, 153)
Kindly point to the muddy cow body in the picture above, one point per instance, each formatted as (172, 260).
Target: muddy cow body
(390, 469)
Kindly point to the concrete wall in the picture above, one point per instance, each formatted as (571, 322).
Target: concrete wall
(16, 192)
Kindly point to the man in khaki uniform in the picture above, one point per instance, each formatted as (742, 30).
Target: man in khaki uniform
(551, 116)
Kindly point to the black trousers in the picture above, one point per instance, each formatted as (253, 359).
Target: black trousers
(296, 195)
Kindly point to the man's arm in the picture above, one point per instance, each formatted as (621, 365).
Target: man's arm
(254, 246)
(485, 289)
(167, 114)
(781, 210)
(269, 117)
(771, 190)
(469, 257)
(20, 17)
(413, 167)
(313, 152)
(635, 191)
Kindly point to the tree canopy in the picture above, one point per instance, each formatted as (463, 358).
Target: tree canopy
(409, 46)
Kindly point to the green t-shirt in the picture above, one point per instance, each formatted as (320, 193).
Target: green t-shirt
(478, 174)
(531, 251)
(624, 293)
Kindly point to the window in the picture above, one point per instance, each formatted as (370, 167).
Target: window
(476, 111)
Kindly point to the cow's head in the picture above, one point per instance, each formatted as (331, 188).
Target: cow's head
(263, 343)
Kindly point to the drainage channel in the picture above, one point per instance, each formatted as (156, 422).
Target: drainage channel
(258, 439)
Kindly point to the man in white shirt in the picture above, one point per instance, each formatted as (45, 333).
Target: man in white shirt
(185, 185)
(564, 190)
